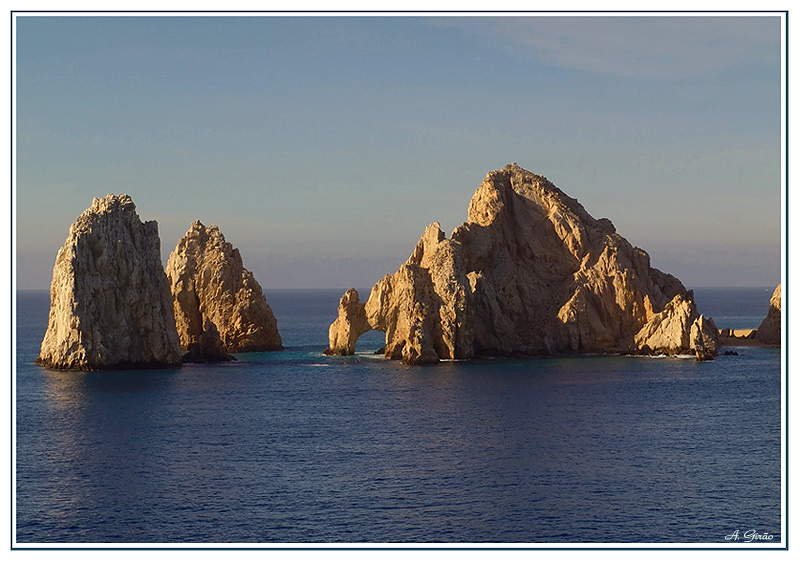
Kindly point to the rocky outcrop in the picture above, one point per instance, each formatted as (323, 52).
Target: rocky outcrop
(425, 308)
(732, 333)
(704, 338)
(348, 326)
(208, 347)
(769, 332)
(209, 283)
(530, 272)
(678, 329)
(110, 306)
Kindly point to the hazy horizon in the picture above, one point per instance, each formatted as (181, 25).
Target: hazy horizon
(323, 146)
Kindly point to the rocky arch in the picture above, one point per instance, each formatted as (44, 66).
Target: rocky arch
(350, 324)
(530, 272)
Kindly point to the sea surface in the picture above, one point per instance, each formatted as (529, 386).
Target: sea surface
(296, 447)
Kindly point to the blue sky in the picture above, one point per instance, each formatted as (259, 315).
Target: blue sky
(323, 146)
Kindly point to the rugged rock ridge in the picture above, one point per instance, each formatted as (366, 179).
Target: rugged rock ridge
(110, 306)
(530, 272)
(210, 284)
(769, 332)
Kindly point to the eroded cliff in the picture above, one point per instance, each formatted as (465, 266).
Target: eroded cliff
(530, 272)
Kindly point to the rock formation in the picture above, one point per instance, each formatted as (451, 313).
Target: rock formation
(110, 306)
(732, 333)
(769, 332)
(350, 324)
(530, 272)
(209, 283)
(208, 347)
(678, 328)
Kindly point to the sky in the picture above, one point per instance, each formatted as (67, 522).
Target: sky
(323, 146)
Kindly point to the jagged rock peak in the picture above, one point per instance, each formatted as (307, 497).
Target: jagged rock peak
(110, 306)
(679, 329)
(530, 272)
(209, 282)
(769, 332)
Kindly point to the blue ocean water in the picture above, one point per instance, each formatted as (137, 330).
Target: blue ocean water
(294, 446)
(738, 308)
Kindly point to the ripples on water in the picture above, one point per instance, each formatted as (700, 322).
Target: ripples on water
(298, 447)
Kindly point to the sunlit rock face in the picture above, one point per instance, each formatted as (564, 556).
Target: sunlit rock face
(209, 283)
(678, 329)
(110, 305)
(530, 272)
(769, 331)
(350, 323)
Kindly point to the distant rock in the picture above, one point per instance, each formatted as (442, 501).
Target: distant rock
(731, 333)
(209, 283)
(769, 332)
(530, 272)
(110, 305)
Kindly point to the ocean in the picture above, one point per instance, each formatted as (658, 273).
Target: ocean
(296, 447)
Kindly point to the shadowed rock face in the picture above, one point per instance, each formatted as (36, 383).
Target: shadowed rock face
(209, 282)
(207, 348)
(530, 272)
(769, 331)
(110, 306)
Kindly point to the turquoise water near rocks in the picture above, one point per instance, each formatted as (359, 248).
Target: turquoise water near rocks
(296, 447)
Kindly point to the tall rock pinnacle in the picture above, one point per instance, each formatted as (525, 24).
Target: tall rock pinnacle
(110, 305)
(209, 283)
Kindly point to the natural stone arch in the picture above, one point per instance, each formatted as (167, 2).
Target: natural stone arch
(423, 308)
(350, 324)
(529, 272)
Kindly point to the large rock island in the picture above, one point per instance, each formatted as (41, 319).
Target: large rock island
(216, 299)
(530, 272)
(110, 305)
